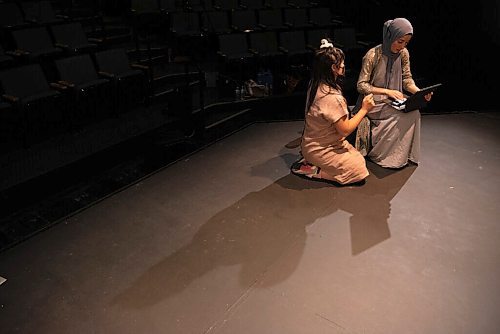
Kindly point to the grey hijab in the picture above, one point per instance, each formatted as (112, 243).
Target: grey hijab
(393, 29)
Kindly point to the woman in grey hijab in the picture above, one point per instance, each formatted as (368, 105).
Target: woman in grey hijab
(385, 73)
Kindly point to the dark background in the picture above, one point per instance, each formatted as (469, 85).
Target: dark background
(453, 43)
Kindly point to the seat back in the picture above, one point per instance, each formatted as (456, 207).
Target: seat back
(294, 41)
(113, 61)
(77, 69)
(40, 12)
(130, 85)
(276, 3)
(271, 18)
(185, 23)
(346, 38)
(252, 4)
(321, 16)
(11, 15)
(71, 34)
(144, 6)
(226, 4)
(33, 39)
(170, 6)
(300, 3)
(199, 5)
(216, 22)
(233, 45)
(296, 17)
(41, 107)
(244, 19)
(24, 81)
(264, 42)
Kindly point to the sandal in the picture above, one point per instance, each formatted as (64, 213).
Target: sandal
(304, 168)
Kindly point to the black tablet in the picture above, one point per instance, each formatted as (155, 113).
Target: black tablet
(417, 100)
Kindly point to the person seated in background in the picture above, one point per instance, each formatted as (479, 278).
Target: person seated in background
(326, 154)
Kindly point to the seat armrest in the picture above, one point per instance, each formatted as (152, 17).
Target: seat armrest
(106, 74)
(58, 86)
(10, 98)
(140, 67)
(17, 53)
(95, 40)
(181, 59)
(64, 17)
(66, 83)
(282, 49)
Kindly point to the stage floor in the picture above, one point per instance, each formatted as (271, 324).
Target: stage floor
(226, 240)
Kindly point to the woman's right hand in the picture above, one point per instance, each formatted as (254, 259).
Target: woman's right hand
(368, 102)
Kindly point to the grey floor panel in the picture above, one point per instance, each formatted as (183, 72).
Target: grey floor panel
(228, 241)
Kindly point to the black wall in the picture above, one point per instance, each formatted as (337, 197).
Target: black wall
(453, 43)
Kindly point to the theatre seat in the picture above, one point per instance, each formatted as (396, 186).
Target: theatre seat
(38, 109)
(90, 94)
(130, 81)
(34, 44)
(72, 38)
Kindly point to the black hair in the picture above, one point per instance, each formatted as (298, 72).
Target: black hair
(321, 72)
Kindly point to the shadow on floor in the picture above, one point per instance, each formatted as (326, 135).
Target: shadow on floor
(257, 230)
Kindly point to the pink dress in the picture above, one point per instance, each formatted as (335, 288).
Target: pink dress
(324, 147)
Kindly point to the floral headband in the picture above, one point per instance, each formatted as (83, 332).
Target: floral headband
(325, 44)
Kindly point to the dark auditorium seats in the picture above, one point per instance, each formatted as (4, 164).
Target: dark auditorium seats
(11, 16)
(39, 109)
(130, 81)
(90, 93)
(72, 38)
(41, 13)
(34, 43)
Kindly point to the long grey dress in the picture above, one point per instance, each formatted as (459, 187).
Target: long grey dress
(395, 135)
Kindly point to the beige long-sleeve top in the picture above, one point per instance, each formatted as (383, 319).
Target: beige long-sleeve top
(372, 59)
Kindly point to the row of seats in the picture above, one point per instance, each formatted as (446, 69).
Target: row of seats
(213, 21)
(242, 54)
(54, 40)
(204, 5)
(98, 91)
(17, 14)
(238, 31)
(290, 42)
(86, 87)
(24, 13)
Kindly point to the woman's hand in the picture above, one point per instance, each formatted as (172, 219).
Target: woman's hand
(368, 102)
(394, 94)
